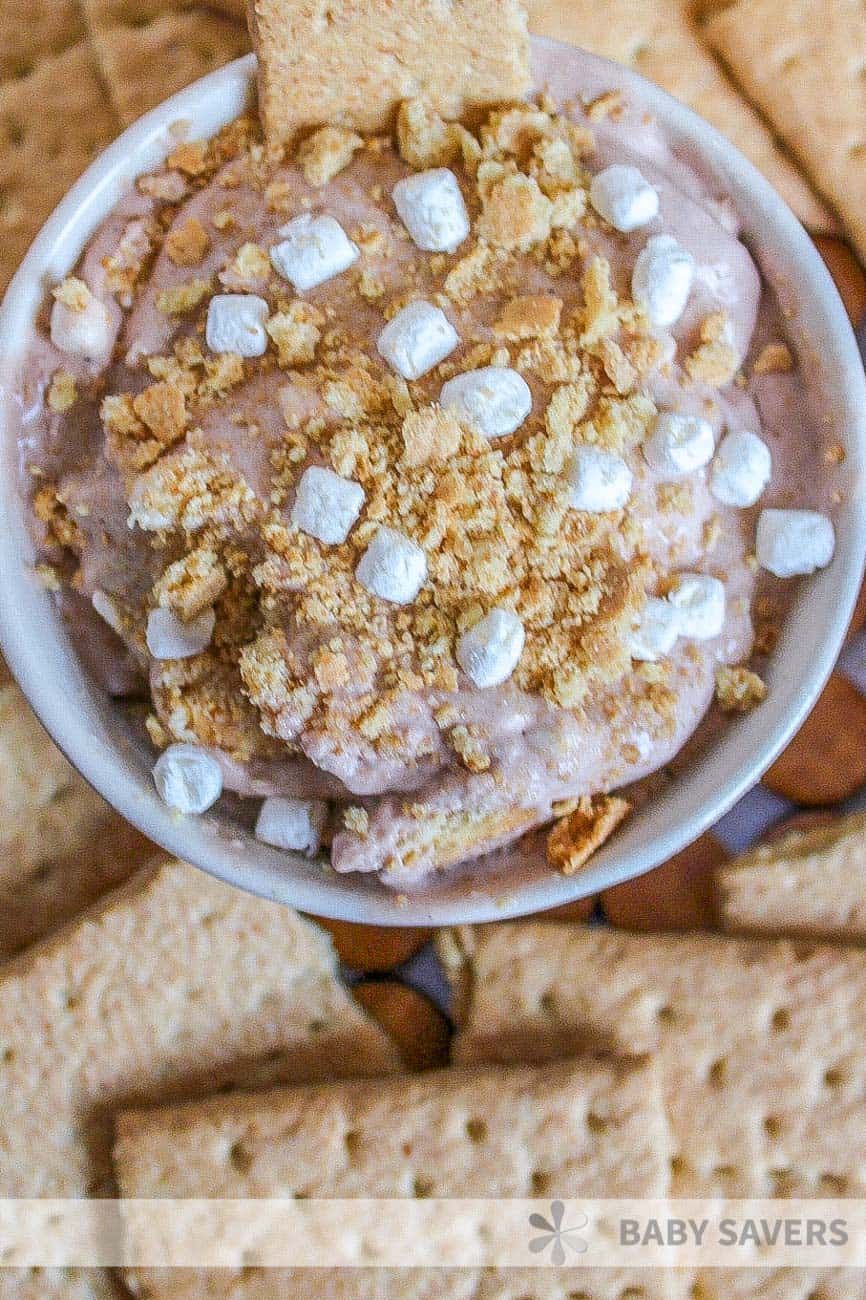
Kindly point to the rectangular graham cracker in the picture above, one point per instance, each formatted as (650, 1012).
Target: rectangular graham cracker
(761, 1046)
(172, 986)
(61, 846)
(659, 39)
(351, 62)
(53, 123)
(152, 52)
(576, 1128)
(809, 883)
(801, 62)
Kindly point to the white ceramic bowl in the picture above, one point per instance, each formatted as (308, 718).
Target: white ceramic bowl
(89, 729)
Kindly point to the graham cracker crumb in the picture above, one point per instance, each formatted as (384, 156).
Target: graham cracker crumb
(295, 330)
(72, 293)
(182, 298)
(774, 358)
(738, 689)
(515, 213)
(574, 839)
(357, 820)
(530, 317)
(429, 434)
(187, 245)
(326, 152)
(423, 137)
(62, 392)
(250, 268)
(192, 584)
(714, 360)
(468, 745)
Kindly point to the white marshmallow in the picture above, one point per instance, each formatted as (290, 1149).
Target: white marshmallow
(791, 542)
(392, 567)
(489, 652)
(622, 196)
(494, 399)
(678, 445)
(236, 323)
(86, 331)
(600, 480)
(741, 469)
(292, 824)
(326, 506)
(107, 610)
(699, 601)
(656, 633)
(662, 279)
(417, 339)
(314, 249)
(431, 208)
(168, 637)
(187, 778)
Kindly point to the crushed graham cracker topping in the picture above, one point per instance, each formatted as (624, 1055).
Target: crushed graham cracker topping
(210, 449)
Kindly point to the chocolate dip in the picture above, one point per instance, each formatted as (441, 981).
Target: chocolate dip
(165, 475)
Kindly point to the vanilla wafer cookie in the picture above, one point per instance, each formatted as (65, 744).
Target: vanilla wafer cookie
(174, 985)
(578, 1128)
(659, 40)
(352, 62)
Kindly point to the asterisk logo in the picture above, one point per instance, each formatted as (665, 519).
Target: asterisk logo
(555, 1236)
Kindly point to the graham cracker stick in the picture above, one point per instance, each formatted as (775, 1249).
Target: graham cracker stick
(800, 62)
(173, 985)
(54, 121)
(350, 62)
(576, 1128)
(807, 883)
(760, 1046)
(50, 27)
(659, 39)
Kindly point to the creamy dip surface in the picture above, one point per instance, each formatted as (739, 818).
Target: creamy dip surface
(164, 473)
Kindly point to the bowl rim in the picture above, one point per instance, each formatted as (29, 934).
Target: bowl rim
(725, 772)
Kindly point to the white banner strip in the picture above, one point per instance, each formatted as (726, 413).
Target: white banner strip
(433, 1233)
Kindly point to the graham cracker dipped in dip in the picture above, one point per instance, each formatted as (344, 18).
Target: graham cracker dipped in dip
(428, 468)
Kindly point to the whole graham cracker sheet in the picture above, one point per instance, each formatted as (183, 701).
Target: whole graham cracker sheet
(761, 1047)
(174, 985)
(592, 1127)
(810, 884)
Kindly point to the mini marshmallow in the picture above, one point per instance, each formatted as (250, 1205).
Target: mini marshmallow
(187, 778)
(86, 330)
(168, 637)
(417, 339)
(656, 633)
(699, 601)
(600, 480)
(314, 249)
(662, 279)
(494, 399)
(791, 542)
(431, 208)
(741, 469)
(107, 610)
(679, 444)
(292, 824)
(622, 196)
(236, 323)
(392, 567)
(489, 652)
(326, 506)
